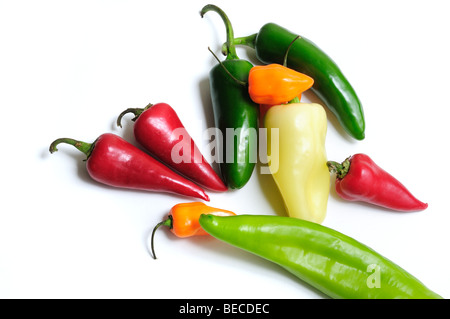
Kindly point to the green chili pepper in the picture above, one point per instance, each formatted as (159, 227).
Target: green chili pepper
(328, 260)
(235, 114)
(330, 85)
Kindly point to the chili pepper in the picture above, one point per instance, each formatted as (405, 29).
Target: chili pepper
(183, 220)
(159, 130)
(359, 178)
(330, 84)
(336, 264)
(234, 112)
(275, 84)
(113, 161)
(298, 163)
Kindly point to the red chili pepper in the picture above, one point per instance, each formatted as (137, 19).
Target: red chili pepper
(358, 178)
(159, 130)
(113, 161)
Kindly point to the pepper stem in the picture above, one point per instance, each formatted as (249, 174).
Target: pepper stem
(226, 70)
(230, 46)
(294, 100)
(136, 111)
(341, 169)
(167, 222)
(84, 147)
(287, 51)
(249, 41)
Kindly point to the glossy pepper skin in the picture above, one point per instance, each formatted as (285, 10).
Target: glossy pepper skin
(275, 84)
(113, 161)
(160, 131)
(233, 110)
(336, 264)
(299, 162)
(359, 178)
(330, 84)
(183, 220)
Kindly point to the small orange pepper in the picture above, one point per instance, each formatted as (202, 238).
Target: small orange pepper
(183, 220)
(276, 84)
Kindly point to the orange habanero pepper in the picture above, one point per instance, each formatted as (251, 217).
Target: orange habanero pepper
(276, 84)
(183, 220)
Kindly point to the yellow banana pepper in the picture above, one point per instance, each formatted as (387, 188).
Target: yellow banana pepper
(299, 163)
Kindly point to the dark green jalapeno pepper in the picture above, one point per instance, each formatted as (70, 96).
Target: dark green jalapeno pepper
(330, 84)
(328, 260)
(235, 114)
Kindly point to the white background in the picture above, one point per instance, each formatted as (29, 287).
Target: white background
(68, 68)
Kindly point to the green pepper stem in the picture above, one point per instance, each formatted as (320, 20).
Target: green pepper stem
(287, 51)
(136, 111)
(84, 147)
(167, 222)
(231, 49)
(226, 70)
(249, 41)
(341, 169)
(294, 100)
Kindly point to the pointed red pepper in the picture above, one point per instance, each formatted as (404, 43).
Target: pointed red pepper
(159, 130)
(358, 178)
(113, 161)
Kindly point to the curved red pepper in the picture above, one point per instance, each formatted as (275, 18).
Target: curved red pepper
(159, 130)
(113, 161)
(358, 178)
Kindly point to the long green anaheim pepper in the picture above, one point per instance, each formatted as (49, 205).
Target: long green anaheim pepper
(235, 114)
(330, 84)
(328, 260)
